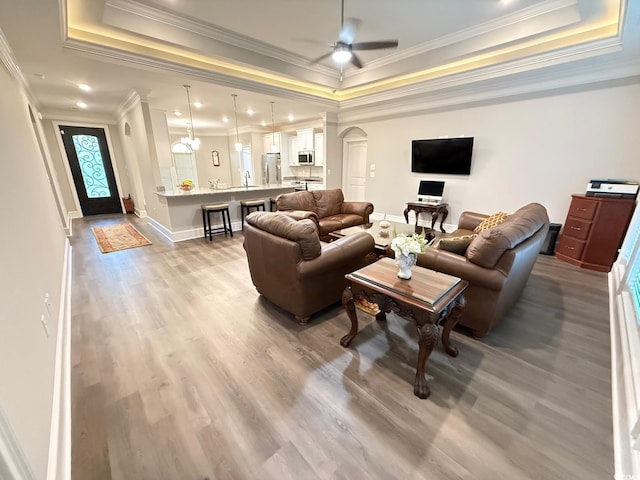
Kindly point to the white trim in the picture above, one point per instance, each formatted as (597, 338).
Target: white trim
(59, 465)
(188, 234)
(67, 168)
(13, 463)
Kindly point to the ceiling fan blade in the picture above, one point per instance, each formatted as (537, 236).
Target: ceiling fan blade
(348, 30)
(355, 60)
(374, 45)
(320, 58)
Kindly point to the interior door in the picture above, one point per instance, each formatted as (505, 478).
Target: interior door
(91, 169)
(356, 163)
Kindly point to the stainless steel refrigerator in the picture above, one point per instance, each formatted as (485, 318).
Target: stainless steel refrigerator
(271, 168)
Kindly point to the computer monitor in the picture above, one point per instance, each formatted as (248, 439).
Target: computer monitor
(430, 191)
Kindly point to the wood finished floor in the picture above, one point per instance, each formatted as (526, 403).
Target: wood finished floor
(181, 371)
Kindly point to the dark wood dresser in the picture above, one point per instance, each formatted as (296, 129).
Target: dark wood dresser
(594, 230)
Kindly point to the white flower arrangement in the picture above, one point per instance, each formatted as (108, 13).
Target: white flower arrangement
(404, 244)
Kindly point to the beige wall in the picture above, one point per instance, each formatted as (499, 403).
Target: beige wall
(532, 150)
(31, 262)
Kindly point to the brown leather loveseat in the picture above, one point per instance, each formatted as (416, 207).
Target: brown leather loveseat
(327, 208)
(497, 263)
(292, 268)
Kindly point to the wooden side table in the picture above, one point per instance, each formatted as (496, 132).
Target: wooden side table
(429, 298)
(436, 211)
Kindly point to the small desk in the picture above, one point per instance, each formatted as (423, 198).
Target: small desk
(429, 298)
(435, 210)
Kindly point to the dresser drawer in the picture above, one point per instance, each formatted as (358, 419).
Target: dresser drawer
(570, 247)
(576, 228)
(583, 208)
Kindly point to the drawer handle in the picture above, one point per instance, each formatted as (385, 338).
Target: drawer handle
(576, 228)
(570, 248)
(582, 209)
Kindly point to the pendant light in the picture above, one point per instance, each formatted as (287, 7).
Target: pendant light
(274, 147)
(235, 111)
(190, 139)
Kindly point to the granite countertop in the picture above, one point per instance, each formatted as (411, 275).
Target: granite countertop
(213, 191)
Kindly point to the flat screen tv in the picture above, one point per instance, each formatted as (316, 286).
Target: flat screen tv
(442, 155)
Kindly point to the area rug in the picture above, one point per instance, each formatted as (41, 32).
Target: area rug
(118, 237)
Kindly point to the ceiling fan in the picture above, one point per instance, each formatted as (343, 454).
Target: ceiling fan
(343, 49)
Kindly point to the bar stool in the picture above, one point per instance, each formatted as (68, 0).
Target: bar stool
(247, 205)
(209, 230)
(272, 204)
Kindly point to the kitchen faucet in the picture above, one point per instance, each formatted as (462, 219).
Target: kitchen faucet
(247, 176)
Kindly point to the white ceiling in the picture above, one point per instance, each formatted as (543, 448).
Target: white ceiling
(262, 50)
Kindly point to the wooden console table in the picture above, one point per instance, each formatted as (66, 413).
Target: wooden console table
(436, 211)
(429, 298)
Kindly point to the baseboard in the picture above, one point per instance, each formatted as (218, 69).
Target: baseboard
(188, 234)
(59, 465)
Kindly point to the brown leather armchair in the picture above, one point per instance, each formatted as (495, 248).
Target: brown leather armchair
(328, 209)
(497, 263)
(293, 269)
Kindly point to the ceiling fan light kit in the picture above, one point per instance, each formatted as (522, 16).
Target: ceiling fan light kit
(190, 139)
(343, 49)
(238, 144)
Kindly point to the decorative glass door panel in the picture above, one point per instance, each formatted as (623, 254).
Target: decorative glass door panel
(91, 168)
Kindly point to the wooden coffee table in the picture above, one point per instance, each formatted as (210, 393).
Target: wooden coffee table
(383, 236)
(429, 298)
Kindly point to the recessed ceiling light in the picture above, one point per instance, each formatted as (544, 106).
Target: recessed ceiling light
(81, 105)
(225, 119)
(197, 104)
(41, 76)
(250, 112)
(291, 117)
(84, 87)
(263, 123)
(177, 113)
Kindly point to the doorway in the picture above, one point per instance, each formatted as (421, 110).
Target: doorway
(91, 169)
(355, 160)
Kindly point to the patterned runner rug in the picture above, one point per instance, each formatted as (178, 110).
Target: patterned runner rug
(118, 237)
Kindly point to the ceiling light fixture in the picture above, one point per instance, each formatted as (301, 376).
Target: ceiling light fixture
(84, 87)
(190, 139)
(341, 55)
(197, 104)
(177, 113)
(81, 105)
(238, 144)
(274, 147)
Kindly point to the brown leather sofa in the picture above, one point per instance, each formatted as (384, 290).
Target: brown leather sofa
(327, 208)
(292, 268)
(497, 263)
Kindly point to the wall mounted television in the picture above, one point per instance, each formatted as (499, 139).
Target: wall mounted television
(442, 155)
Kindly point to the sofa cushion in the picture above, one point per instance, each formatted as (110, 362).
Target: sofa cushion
(487, 248)
(297, 201)
(303, 232)
(491, 221)
(455, 244)
(328, 202)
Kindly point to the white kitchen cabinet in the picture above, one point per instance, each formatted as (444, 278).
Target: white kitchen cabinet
(318, 140)
(294, 148)
(305, 139)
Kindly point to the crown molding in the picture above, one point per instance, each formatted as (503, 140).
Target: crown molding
(132, 99)
(517, 85)
(198, 73)
(77, 116)
(8, 60)
(114, 9)
(559, 8)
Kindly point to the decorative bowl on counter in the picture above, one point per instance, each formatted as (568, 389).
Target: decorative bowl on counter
(186, 188)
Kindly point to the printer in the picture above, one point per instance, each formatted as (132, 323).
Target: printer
(612, 188)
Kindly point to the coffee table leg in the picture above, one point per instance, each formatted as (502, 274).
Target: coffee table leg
(350, 308)
(450, 322)
(427, 340)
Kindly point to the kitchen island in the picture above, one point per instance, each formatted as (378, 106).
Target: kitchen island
(185, 216)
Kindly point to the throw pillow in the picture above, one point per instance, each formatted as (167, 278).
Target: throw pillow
(456, 245)
(491, 221)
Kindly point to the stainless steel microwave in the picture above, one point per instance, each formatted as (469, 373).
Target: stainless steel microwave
(305, 158)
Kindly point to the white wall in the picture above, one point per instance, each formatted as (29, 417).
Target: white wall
(531, 150)
(31, 262)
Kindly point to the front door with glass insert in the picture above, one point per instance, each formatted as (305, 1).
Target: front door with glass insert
(91, 169)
